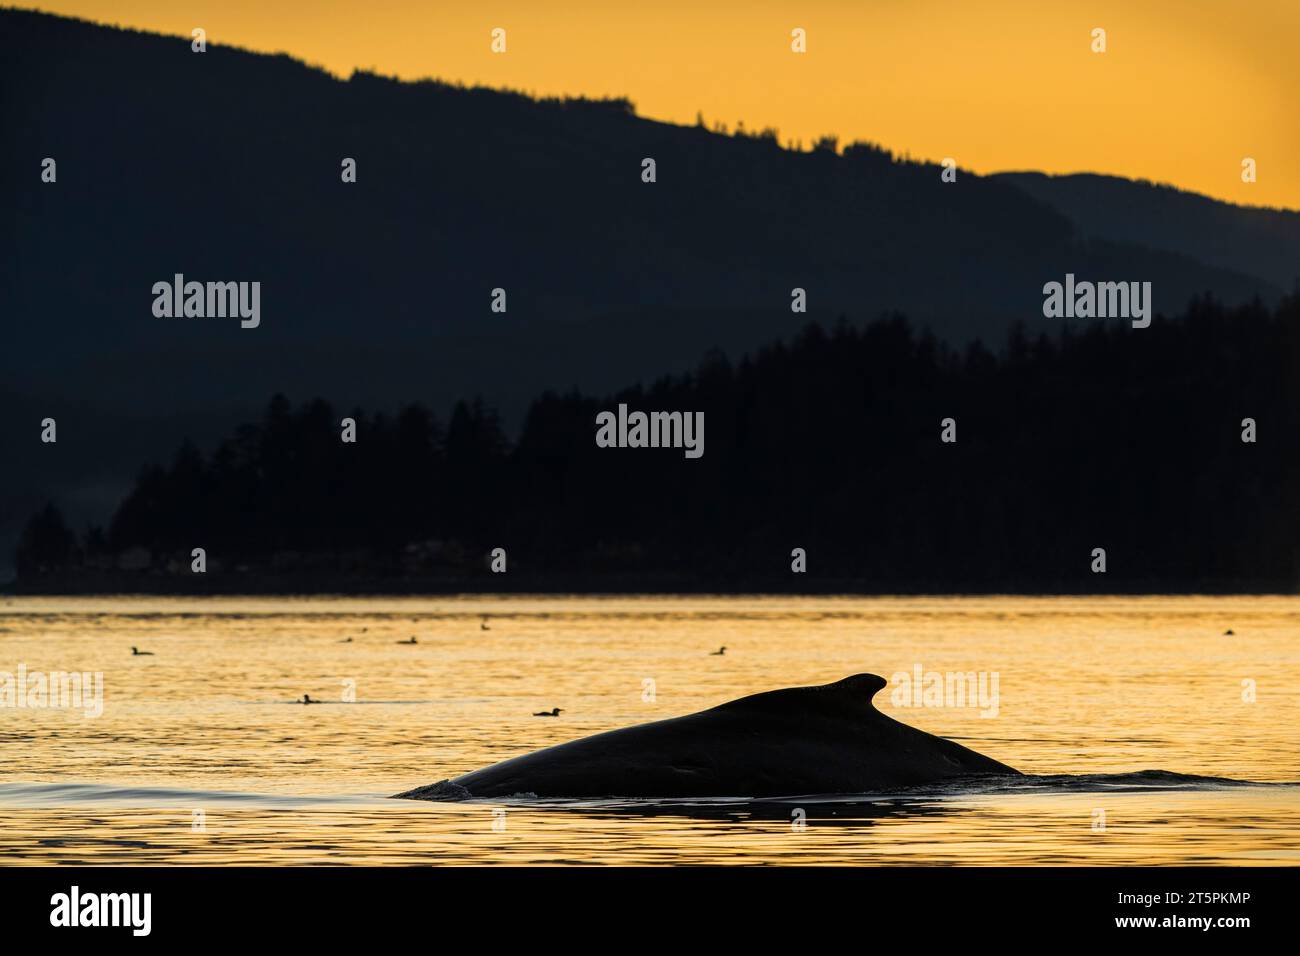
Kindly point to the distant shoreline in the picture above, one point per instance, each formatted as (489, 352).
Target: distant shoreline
(523, 583)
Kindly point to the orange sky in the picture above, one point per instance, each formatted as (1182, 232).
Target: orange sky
(1186, 89)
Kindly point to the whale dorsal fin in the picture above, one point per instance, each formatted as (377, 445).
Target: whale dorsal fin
(850, 695)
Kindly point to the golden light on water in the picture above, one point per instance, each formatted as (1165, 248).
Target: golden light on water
(1086, 686)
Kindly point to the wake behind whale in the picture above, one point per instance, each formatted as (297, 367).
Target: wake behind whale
(801, 740)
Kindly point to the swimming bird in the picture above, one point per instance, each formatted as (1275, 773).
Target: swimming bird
(411, 641)
(1228, 633)
(553, 712)
(306, 699)
(346, 640)
(483, 624)
(136, 652)
(719, 652)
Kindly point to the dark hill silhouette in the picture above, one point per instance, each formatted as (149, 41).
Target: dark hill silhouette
(1106, 437)
(225, 166)
(1249, 239)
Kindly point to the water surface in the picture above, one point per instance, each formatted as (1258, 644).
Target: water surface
(201, 757)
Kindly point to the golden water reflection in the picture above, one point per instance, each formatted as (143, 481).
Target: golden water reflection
(1086, 686)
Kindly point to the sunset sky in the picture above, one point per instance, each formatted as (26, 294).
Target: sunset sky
(1186, 89)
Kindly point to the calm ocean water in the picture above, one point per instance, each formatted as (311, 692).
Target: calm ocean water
(199, 756)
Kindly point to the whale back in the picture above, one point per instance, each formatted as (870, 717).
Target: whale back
(798, 740)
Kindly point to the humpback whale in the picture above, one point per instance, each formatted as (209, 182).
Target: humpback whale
(799, 740)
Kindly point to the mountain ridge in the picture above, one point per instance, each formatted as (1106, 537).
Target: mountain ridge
(226, 166)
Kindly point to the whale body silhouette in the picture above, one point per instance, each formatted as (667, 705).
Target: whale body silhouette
(799, 740)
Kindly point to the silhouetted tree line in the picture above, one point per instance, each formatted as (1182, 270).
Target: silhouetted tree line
(1096, 436)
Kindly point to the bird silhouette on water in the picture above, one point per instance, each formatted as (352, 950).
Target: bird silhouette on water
(1229, 632)
(719, 652)
(483, 625)
(306, 699)
(553, 712)
(411, 641)
(136, 652)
